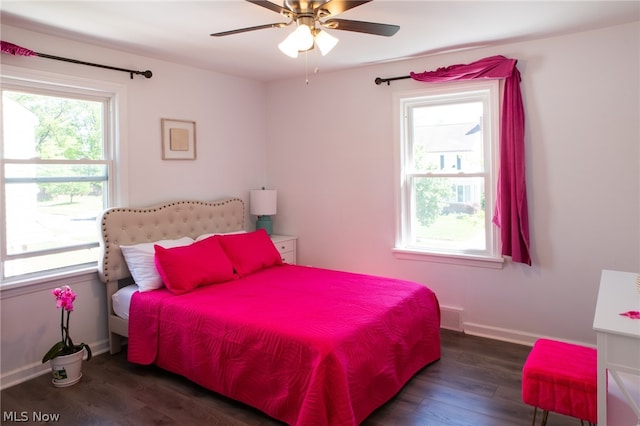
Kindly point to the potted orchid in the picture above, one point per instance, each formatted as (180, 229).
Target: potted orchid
(65, 356)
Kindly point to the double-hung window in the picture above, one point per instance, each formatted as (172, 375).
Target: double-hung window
(447, 151)
(57, 174)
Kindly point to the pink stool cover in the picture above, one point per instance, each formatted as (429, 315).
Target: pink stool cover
(561, 377)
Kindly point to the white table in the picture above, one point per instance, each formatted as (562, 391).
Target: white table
(618, 338)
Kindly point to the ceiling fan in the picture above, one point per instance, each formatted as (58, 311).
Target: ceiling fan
(306, 14)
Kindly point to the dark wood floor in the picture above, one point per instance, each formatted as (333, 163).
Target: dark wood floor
(476, 383)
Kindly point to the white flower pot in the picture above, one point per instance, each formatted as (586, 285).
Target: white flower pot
(67, 369)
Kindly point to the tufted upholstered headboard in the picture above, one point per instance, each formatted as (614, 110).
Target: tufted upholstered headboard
(127, 226)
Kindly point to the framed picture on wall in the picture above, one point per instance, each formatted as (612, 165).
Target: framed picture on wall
(178, 139)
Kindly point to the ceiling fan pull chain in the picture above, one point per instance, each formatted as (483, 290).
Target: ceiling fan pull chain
(306, 67)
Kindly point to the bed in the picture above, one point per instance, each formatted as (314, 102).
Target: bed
(307, 346)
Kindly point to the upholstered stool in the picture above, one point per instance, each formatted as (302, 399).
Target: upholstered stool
(561, 377)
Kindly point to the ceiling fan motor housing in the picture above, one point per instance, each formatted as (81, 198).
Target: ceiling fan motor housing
(303, 6)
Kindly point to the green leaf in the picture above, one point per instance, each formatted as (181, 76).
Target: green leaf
(53, 352)
(88, 349)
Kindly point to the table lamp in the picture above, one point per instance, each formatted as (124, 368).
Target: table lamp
(263, 204)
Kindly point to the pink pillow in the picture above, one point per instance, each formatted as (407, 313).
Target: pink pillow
(184, 268)
(250, 252)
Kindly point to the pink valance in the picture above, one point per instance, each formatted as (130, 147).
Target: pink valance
(15, 50)
(511, 211)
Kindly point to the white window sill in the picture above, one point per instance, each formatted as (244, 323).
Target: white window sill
(13, 287)
(456, 259)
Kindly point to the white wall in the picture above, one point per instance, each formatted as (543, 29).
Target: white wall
(332, 162)
(230, 162)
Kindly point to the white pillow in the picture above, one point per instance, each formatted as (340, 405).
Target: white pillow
(141, 263)
(203, 236)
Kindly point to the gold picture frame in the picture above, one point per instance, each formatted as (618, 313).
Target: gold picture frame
(178, 139)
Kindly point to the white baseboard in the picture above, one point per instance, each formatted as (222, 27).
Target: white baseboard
(498, 333)
(452, 318)
(28, 372)
(512, 336)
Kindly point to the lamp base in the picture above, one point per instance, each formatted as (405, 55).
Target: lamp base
(264, 222)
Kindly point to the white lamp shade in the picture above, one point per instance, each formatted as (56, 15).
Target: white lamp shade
(289, 46)
(263, 202)
(325, 42)
(304, 38)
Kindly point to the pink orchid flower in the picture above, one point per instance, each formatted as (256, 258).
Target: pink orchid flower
(64, 298)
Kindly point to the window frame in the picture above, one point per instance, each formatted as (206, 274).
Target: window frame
(115, 152)
(403, 100)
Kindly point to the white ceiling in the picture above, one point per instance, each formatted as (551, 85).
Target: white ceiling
(179, 30)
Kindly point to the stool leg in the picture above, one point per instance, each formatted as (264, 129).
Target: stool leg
(535, 411)
(545, 414)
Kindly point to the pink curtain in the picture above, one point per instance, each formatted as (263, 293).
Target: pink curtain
(511, 212)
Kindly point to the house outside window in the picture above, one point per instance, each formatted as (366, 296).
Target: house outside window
(447, 170)
(58, 173)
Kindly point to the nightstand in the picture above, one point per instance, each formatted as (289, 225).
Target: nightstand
(286, 245)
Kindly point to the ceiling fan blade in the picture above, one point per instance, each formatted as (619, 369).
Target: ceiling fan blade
(274, 7)
(386, 30)
(244, 30)
(334, 7)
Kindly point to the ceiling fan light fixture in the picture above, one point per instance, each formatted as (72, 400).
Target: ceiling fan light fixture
(289, 46)
(325, 41)
(304, 38)
(309, 16)
(298, 41)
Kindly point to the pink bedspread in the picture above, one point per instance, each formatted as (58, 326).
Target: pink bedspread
(306, 346)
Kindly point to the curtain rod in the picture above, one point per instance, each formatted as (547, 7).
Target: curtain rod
(379, 80)
(146, 73)
(16, 50)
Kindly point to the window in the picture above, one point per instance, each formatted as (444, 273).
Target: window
(448, 142)
(57, 174)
